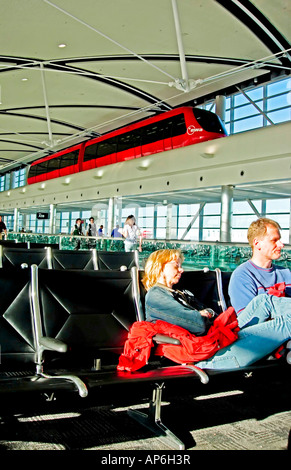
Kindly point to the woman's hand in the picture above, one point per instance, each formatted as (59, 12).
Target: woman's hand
(207, 313)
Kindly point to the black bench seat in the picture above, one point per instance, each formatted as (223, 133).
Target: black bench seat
(71, 326)
(16, 256)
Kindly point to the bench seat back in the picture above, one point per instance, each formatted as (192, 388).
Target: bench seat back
(205, 285)
(114, 260)
(16, 257)
(90, 311)
(16, 327)
(70, 259)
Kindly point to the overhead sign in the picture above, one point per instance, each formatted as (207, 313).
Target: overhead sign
(42, 215)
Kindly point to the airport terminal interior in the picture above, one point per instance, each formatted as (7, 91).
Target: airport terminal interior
(72, 72)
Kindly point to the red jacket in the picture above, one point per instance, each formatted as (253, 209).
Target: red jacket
(139, 343)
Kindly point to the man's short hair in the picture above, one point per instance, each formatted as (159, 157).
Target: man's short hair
(258, 228)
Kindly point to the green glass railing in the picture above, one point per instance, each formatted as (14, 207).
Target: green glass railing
(226, 256)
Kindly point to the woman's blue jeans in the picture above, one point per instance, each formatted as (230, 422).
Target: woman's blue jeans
(129, 245)
(265, 325)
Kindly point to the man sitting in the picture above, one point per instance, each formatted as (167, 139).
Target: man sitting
(259, 275)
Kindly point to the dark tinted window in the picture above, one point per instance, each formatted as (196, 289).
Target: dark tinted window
(32, 171)
(90, 152)
(53, 164)
(100, 149)
(68, 159)
(129, 140)
(178, 125)
(153, 133)
(48, 166)
(41, 168)
(210, 122)
(107, 147)
(170, 127)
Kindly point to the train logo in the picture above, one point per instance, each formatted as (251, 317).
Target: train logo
(192, 129)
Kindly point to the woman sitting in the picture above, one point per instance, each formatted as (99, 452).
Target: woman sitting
(257, 337)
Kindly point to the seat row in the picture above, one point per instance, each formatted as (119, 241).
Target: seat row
(64, 331)
(53, 258)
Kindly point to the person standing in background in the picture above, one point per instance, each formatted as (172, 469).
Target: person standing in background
(2, 228)
(100, 231)
(132, 235)
(77, 231)
(116, 233)
(92, 229)
(91, 232)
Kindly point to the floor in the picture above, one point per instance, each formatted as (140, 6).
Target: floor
(252, 417)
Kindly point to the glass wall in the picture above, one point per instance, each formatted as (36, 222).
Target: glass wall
(260, 106)
(35, 225)
(189, 222)
(19, 178)
(279, 209)
(2, 183)
(193, 222)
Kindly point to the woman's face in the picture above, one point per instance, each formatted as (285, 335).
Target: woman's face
(171, 272)
(131, 222)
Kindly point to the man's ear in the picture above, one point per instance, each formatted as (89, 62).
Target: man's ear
(256, 243)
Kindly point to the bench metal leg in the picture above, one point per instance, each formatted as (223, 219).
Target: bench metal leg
(152, 421)
(82, 389)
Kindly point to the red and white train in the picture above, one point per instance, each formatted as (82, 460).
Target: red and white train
(173, 129)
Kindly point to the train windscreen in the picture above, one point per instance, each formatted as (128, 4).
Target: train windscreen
(210, 122)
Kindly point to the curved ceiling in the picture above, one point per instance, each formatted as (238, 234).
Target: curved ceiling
(71, 69)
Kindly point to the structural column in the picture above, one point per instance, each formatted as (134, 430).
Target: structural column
(15, 220)
(226, 213)
(171, 227)
(114, 214)
(110, 215)
(52, 229)
(220, 103)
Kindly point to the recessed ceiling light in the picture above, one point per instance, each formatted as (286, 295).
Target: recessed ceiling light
(24, 79)
(62, 46)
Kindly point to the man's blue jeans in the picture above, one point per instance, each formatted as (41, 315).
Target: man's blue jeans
(265, 325)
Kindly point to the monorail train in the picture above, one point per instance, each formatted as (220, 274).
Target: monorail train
(173, 129)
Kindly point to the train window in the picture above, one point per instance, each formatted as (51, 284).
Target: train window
(153, 133)
(53, 164)
(41, 168)
(68, 159)
(129, 140)
(90, 152)
(32, 171)
(124, 142)
(210, 122)
(168, 123)
(164, 129)
(178, 126)
(107, 147)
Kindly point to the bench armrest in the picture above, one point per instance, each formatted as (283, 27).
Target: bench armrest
(163, 339)
(53, 344)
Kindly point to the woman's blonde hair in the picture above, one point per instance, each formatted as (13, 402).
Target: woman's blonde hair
(155, 265)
